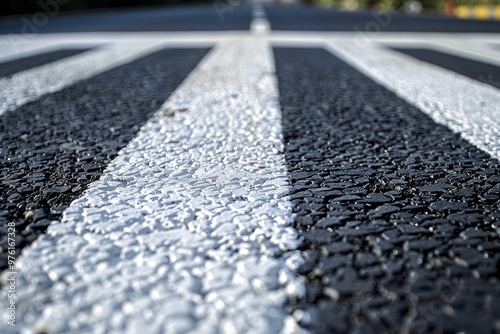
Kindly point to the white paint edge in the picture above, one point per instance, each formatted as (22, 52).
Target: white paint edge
(13, 51)
(29, 85)
(195, 211)
(210, 36)
(470, 49)
(462, 104)
(461, 47)
(127, 37)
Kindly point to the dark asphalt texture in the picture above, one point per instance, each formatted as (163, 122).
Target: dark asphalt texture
(482, 72)
(310, 18)
(400, 216)
(220, 15)
(53, 148)
(210, 17)
(8, 68)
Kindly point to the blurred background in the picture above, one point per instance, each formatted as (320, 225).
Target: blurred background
(479, 9)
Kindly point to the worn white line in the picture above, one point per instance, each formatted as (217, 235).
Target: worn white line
(188, 230)
(27, 86)
(12, 51)
(260, 25)
(199, 37)
(462, 104)
(460, 47)
(470, 49)
(206, 38)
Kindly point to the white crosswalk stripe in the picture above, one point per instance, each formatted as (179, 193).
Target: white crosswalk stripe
(29, 85)
(195, 208)
(11, 51)
(189, 229)
(462, 104)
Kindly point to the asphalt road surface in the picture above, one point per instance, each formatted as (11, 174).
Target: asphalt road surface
(248, 168)
(234, 15)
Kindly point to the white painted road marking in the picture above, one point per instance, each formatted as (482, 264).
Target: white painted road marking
(183, 230)
(27, 86)
(462, 104)
(12, 51)
(213, 189)
(259, 24)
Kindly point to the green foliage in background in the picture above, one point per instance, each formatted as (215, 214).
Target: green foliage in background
(394, 4)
